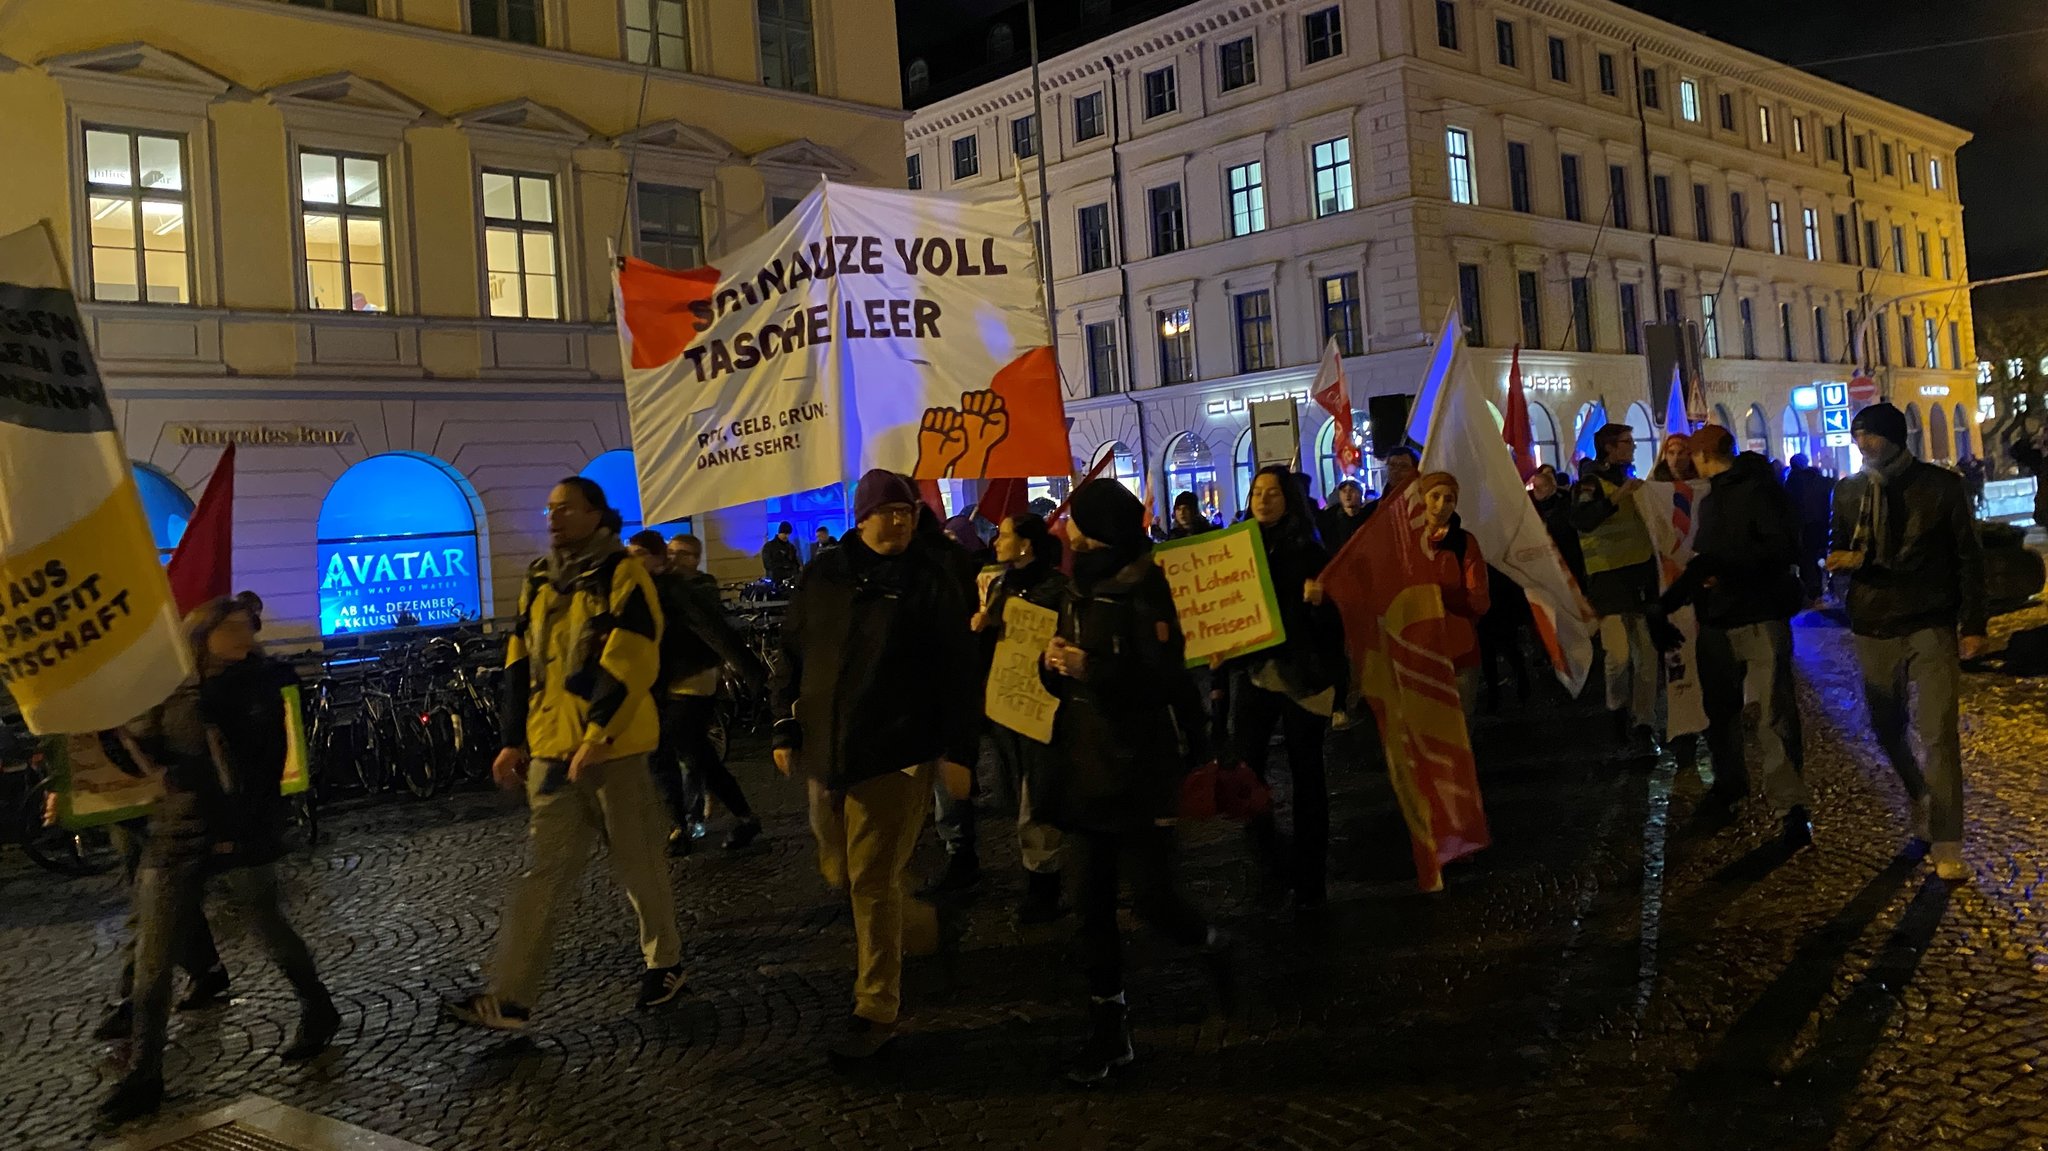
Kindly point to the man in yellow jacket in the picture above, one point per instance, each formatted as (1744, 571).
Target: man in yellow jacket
(578, 699)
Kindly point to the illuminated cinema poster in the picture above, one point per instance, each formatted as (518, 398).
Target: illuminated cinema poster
(398, 547)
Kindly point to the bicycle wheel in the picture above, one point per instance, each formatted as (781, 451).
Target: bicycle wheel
(371, 759)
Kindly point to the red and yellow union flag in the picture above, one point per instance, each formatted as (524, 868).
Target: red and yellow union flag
(1384, 584)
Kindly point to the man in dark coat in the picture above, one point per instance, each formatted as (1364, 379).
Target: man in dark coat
(1903, 531)
(1343, 517)
(875, 689)
(1811, 494)
(780, 561)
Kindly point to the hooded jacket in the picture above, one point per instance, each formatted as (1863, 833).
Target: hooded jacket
(876, 669)
(1933, 571)
(1744, 550)
(582, 660)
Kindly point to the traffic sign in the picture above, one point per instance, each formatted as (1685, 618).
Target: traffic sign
(1839, 439)
(1863, 390)
(1834, 395)
(1834, 420)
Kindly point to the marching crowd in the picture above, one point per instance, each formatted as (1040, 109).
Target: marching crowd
(877, 693)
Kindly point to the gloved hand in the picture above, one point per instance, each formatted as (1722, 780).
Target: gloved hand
(1663, 633)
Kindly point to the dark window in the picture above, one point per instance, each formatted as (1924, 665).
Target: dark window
(1617, 195)
(517, 20)
(671, 226)
(1726, 103)
(1518, 176)
(1872, 253)
(1024, 137)
(1631, 322)
(1856, 152)
(1702, 214)
(1785, 331)
(1671, 314)
(1660, 204)
(1898, 249)
(1340, 314)
(1926, 265)
(1087, 116)
(1572, 207)
(1652, 92)
(913, 171)
(1560, 61)
(1529, 292)
(1607, 74)
(1830, 143)
(1851, 353)
(1884, 345)
(1101, 340)
(1820, 335)
(1169, 227)
(1504, 42)
(1255, 331)
(1582, 313)
(1470, 305)
(1844, 249)
(966, 157)
(1162, 95)
(787, 57)
(357, 7)
(1884, 158)
(1906, 341)
(1748, 314)
(1237, 65)
(1955, 344)
(1738, 220)
(1322, 34)
(1447, 25)
(1094, 223)
(1948, 270)
(1912, 167)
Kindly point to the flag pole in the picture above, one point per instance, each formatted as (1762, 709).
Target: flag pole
(1052, 325)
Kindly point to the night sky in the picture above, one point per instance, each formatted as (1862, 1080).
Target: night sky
(1997, 90)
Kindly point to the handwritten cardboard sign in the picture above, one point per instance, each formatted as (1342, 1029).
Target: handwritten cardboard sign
(1222, 592)
(1016, 698)
(92, 789)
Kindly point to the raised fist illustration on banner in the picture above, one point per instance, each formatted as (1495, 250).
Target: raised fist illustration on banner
(956, 442)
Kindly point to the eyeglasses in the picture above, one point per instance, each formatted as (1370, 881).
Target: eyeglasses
(896, 512)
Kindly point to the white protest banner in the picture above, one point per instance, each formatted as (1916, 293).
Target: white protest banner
(1671, 511)
(870, 328)
(1016, 697)
(89, 637)
(1222, 592)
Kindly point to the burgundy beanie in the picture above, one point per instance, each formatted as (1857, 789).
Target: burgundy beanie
(878, 487)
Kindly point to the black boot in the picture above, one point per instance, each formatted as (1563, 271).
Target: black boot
(118, 1023)
(208, 990)
(133, 1097)
(318, 1024)
(743, 833)
(962, 874)
(1042, 902)
(1108, 1044)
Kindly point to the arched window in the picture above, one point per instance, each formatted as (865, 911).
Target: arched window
(1792, 431)
(398, 547)
(1191, 468)
(1646, 438)
(1043, 494)
(1123, 468)
(1913, 436)
(1543, 432)
(1246, 468)
(1723, 417)
(1756, 434)
(614, 471)
(806, 512)
(1591, 418)
(1962, 433)
(919, 78)
(1327, 472)
(1937, 432)
(166, 506)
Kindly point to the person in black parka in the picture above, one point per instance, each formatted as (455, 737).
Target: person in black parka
(1128, 727)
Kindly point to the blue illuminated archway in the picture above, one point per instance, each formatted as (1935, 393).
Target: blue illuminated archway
(166, 506)
(398, 547)
(615, 471)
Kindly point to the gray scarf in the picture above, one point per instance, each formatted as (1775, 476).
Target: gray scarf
(566, 565)
(1873, 519)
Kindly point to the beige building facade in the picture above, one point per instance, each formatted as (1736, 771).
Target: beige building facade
(1236, 182)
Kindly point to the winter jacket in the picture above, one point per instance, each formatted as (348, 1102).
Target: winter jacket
(1338, 528)
(1556, 513)
(696, 637)
(1312, 656)
(780, 560)
(1620, 564)
(226, 808)
(1745, 549)
(1809, 492)
(876, 669)
(581, 661)
(1460, 570)
(1935, 575)
(1039, 584)
(1126, 731)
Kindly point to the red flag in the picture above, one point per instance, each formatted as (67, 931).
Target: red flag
(1003, 499)
(1515, 427)
(203, 566)
(1059, 513)
(1384, 585)
(1333, 395)
(928, 491)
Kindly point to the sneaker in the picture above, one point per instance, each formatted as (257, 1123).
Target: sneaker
(1923, 819)
(487, 1011)
(679, 844)
(962, 874)
(318, 1024)
(1948, 861)
(661, 985)
(209, 990)
(743, 834)
(1108, 1045)
(1042, 902)
(1798, 834)
(118, 1023)
(863, 1039)
(132, 1098)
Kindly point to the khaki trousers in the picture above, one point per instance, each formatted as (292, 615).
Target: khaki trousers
(866, 836)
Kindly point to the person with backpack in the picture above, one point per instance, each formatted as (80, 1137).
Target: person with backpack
(696, 643)
(580, 723)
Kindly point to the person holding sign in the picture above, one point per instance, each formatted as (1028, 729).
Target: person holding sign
(222, 743)
(1030, 556)
(1292, 688)
(1128, 726)
(874, 687)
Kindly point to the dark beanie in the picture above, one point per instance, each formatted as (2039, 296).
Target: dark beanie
(1882, 420)
(878, 487)
(1108, 513)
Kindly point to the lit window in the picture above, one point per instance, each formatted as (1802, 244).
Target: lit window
(1799, 133)
(1247, 199)
(1332, 160)
(520, 249)
(342, 220)
(1458, 142)
(1176, 346)
(1934, 173)
(1812, 222)
(1255, 331)
(138, 200)
(658, 33)
(1689, 99)
(1766, 127)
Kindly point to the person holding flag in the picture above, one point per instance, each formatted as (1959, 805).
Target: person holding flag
(1459, 570)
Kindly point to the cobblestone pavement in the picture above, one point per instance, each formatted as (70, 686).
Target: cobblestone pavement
(1599, 978)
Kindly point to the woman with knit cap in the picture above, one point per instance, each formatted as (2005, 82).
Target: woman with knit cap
(1128, 726)
(1460, 571)
(1030, 556)
(1292, 688)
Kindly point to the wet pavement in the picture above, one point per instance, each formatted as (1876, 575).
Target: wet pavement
(1603, 976)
